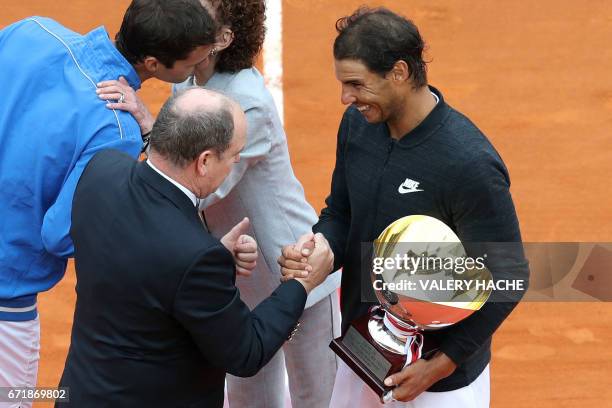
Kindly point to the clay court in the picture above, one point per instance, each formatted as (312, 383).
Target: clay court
(535, 78)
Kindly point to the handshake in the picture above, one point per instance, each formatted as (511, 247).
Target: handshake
(308, 261)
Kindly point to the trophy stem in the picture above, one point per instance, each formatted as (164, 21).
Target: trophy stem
(395, 335)
(411, 335)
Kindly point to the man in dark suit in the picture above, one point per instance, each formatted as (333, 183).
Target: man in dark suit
(158, 320)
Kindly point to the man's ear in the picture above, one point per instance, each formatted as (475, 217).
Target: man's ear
(224, 38)
(202, 161)
(151, 64)
(400, 71)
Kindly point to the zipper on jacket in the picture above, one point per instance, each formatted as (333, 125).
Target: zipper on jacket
(378, 187)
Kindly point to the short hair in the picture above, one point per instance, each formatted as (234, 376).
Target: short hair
(168, 30)
(181, 135)
(379, 38)
(246, 19)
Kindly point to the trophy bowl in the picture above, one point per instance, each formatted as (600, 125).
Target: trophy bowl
(429, 296)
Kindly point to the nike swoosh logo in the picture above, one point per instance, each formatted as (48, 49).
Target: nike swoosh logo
(404, 190)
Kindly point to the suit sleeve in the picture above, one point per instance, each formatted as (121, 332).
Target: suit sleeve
(227, 333)
(486, 223)
(55, 230)
(334, 220)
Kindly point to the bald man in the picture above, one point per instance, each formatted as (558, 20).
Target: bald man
(158, 319)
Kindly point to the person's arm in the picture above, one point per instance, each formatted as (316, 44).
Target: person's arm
(484, 214)
(334, 220)
(227, 333)
(55, 231)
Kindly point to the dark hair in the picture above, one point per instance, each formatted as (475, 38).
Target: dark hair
(246, 19)
(181, 135)
(379, 38)
(165, 29)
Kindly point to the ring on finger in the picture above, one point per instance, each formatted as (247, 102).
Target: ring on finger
(121, 97)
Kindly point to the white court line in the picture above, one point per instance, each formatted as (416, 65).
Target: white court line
(273, 53)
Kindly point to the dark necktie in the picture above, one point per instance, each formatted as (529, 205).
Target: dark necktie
(201, 214)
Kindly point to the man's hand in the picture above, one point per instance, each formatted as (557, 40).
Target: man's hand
(419, 376)
(243, 247)
(293, 259)
(319, 263)
(111, 92)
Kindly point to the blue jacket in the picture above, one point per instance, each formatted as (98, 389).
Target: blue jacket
(51, 124)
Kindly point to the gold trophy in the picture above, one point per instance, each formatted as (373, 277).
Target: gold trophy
(420, 275)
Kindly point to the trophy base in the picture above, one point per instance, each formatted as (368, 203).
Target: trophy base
(371, 361)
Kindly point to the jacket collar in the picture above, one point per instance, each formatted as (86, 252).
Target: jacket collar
(167, 189)
(109, 55)
(432, 122)
(184, 189)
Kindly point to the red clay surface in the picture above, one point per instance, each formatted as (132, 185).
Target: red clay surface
(535, 77)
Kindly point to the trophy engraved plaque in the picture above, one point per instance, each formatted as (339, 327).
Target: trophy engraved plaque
(413, 259)
(377, 364)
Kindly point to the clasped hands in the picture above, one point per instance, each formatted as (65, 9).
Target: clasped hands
(308, 261)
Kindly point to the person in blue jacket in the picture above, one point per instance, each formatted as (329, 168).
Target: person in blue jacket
(51, 123)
